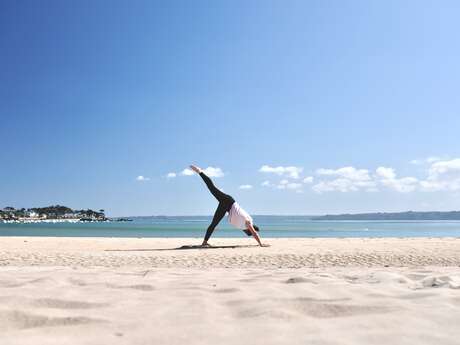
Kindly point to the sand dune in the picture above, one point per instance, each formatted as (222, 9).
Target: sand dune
(79, 301)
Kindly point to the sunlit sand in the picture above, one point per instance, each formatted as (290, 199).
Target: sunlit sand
(318, 291)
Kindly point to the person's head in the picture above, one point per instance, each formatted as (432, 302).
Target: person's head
(247, 232)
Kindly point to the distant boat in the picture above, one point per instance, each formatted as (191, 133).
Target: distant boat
(123, 220)
(87, 220)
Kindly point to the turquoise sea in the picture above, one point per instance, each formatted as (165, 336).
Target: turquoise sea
(271, 226)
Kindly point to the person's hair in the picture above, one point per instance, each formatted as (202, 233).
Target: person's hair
(256, 228)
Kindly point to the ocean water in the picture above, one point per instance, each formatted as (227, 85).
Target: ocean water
(271, 226)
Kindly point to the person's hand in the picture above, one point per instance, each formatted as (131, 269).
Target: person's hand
(196, 169)
(265, 245)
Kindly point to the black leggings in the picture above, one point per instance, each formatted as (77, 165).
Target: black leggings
(225, 203)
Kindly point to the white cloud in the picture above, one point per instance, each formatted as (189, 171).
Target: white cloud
(433, 159)
(187, 172)
(290, 171)
(428, 160)
(213, 172)
(294, 186)
(387, 177)
(402, 185)
(283, 185)
(349, 179)
(142, 178)
(171, 175)
(432, 185)
(245, 186)
(386, 173)
(443, 176)
(341, 185)
(308, 179)
(210, 171)
(349, 173)
(445, 167)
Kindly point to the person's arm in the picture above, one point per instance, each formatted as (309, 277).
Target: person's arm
(255, 234)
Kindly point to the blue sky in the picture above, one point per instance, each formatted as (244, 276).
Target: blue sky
(319, 107)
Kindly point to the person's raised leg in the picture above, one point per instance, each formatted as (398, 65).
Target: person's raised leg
(218, 194)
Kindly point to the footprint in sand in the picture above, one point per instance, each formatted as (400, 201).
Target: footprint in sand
(17, 320)
(326, 310)
(297, 280)
(141, 287)
(77, 282)
(14, 284)
(228, 290)
(64, 304)
(316, 308)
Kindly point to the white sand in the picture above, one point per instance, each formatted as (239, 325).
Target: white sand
(299, 291)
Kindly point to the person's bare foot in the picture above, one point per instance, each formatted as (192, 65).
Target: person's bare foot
(196, 169)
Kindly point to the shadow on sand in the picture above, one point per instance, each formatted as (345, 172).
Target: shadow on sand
(182, 248)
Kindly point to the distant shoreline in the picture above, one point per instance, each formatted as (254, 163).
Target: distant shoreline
(61, 220)
(410, 215)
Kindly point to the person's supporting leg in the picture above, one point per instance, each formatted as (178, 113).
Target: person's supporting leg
(218, 215)
(218, 194)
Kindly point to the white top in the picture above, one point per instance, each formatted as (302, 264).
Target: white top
(238, 217)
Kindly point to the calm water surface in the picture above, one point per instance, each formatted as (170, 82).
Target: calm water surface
(271, 226)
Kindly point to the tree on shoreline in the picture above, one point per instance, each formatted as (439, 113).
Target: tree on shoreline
(52, 212)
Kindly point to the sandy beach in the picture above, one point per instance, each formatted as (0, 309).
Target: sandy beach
(147, 291)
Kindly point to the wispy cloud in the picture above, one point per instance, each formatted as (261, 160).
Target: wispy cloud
(387, 177)
(283, 185)
(187, 172)
(343, 185)
(351, 179)
(141, 178)
(386, 173)
(293, 186)
(214, 172)
(210, 171)
(350, 173)
(308, 180)
(428, 160)
(346, 179)
(245, 186)
(442, 176)
(289, 171)
(433, 159)
(171, 175)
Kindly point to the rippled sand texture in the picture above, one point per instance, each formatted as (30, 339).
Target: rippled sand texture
(115, 291)
(250, 306)
(229, 252)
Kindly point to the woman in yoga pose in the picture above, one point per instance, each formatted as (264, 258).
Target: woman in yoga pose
(238, 217)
